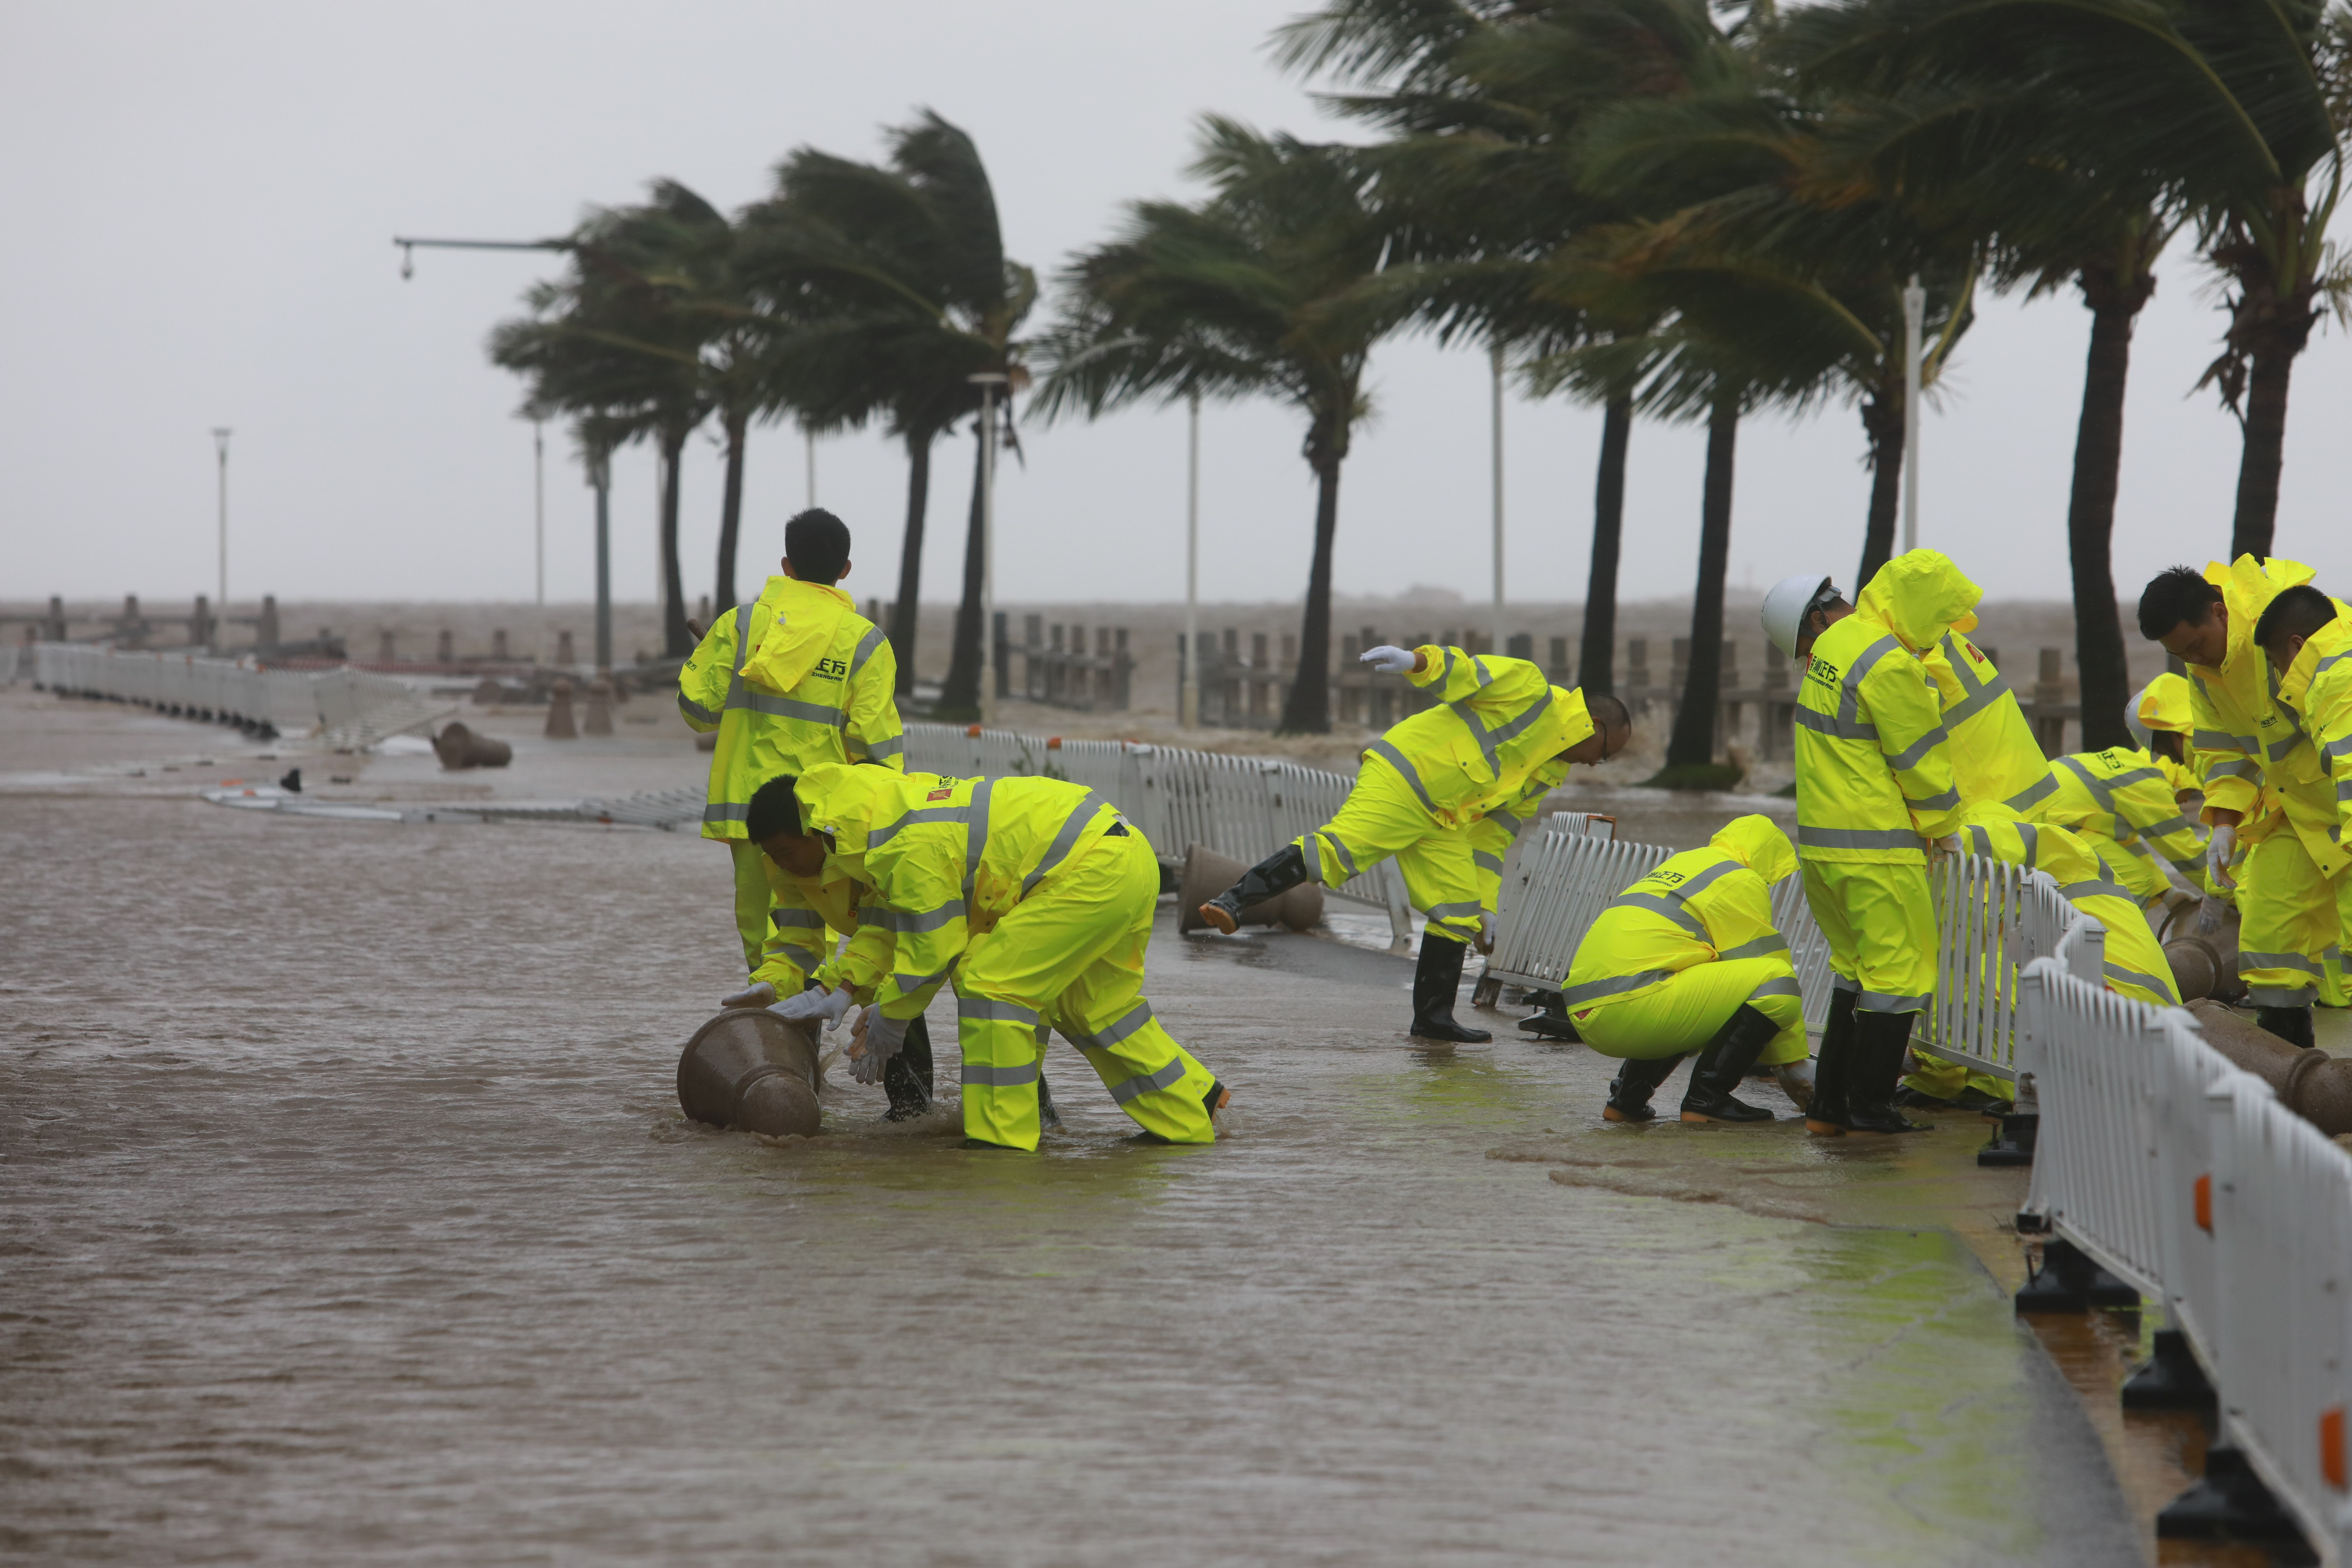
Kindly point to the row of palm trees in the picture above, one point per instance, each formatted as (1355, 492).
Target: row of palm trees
(1666, 212)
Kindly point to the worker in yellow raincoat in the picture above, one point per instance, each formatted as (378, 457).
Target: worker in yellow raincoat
(1037, 898)
(1875, 786)
(794, 678)
(1500, 728)
(2135, 964)
(2307, 637)
(2125, 804)
(1687, 958)
(2293, 910)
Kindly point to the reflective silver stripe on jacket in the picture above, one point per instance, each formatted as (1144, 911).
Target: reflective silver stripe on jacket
(2336, 751)
(1488, 861)
(873, 915)
(743, 656)
(1887, 1002)
(1454, 911)
(1387, 753)
(910, 983)
(987, 1010)
(2033, 795)
(917, 817)
(1064, 841)
(804, 920)
(1144, 1083)
(878, 749)
(2073, 891)
(1912, 755)
(1945, 801)
(1779, 985)
(916, 922)
(1850, 686)
(2134, 977)
(785, 708)
(1762, 946)
(2293, 961)
(1490, 741)
(2279, 995)
(975, 835)
(1672, 902)
(1507, 822)
(693, 709)
(2218, 739)
(1830, 724)
(1614, 986)
(723, 812)
(1982, 694)
(1857, 837)
(2237, 768)
(865, 646)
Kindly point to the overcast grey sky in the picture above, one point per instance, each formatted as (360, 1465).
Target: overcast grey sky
(204, 199)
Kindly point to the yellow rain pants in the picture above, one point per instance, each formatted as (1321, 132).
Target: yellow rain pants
(1880, 921)
(1688, 1010)
(1070, 957)
(752, 896)
(1382, 816)
(2292, 922)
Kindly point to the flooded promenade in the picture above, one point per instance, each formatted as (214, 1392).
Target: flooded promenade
(347, 1214)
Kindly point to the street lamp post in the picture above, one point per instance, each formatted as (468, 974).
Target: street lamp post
(539, 532)
(989, 382)
(1915, 319)
(1190, 715)
(220, 609)
(1495, 639)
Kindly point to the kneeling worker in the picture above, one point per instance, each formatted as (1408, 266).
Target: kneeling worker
(1500, 729)
(1038, 897)
(1686, 959)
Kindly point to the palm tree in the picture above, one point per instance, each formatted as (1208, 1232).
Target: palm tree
(613, 341)
(2236, 111)
(898, 280)
(1487, 100)
(1270, 287)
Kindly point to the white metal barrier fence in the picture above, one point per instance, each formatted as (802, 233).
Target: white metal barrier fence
(346, 707)
(2186, 1178)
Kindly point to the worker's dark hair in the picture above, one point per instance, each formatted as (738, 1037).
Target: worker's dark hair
(1607, 712)
(817, 544)
(774, 809)
(2177, 596)
(2297, 612)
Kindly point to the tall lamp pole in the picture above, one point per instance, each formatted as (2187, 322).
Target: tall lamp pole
(990, 383)
(1495, 641)
(1915, 320)
(1191, 716)
(220, 610)
(539, 532)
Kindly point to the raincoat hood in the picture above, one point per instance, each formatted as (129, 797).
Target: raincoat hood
(802, 620)
(2164, 704)
(2248, 585)
(2325, 643)
(1757, 843)
(846, 799)
(1919, 596)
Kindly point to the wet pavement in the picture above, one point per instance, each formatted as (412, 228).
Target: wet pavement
(348, 1215)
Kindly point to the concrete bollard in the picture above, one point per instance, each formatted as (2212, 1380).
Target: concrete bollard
(2202, 964)
(445, 648)
(2311, 1083)
(599, 721)
(559, 712)
(460, 747)
(563, 648)
(1207, 873)
(748, 1068)
(487, 692)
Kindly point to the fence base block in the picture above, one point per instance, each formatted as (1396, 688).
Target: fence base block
(2233, 1504)
(2170, 1379)
(2068, 1281)
(2012, 1143)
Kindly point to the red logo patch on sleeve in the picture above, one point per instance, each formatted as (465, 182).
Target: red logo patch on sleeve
(938, 794)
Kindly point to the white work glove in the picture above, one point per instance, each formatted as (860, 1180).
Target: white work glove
(1948, 845)
(1390, 660)
(874, 1040)
(814, 1003)
(2219, 849)
(1485, 932)
(758, 994)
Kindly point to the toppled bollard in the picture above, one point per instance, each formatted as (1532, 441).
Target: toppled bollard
(559, 712)
(460, 747)
(487, 691)
(2311, 1083)
(600, 709)
(2204, 964)
(1207, 873)
(748, 1068)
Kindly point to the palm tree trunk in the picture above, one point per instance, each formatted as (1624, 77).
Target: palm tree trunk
(910, 558)
(1693, 742)
(2091, 510)
(959, 693)
(1882, 424)
(677, 641)
(1596, 667)
(1308, 710)
(731, 509)
(2265, 449)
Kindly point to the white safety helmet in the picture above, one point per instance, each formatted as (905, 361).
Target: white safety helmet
(1785, 606)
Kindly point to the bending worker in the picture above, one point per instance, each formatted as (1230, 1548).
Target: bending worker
(2292, 909)
(1501, 734)
(2125, 802)
(2307, 637)
(1687, 958)
(794, 678)
(1874, 785)
(2135, 964)
(1037, 897)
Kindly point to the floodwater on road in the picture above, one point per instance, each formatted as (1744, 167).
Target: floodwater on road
(347, 1214)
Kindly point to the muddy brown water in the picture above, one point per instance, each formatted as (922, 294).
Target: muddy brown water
(347, 1214)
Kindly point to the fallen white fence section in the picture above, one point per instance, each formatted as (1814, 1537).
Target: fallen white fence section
(348, 709)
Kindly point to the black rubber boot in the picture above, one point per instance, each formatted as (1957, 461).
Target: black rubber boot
(1047, 1115)
(1826, 1114)
(907, 1077)
(1722, 1063)
(2292, 1025)
(1270, 878)
(1879, 1041)
(1437, 982)
(1637, 1079)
